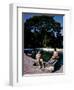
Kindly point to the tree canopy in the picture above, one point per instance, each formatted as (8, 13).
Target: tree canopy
(42, 31)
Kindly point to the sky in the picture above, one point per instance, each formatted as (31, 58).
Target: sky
(58, 18)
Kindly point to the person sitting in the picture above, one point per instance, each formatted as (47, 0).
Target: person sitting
(53, 59)
(39, 59)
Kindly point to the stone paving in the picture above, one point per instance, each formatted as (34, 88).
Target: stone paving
(30, 69)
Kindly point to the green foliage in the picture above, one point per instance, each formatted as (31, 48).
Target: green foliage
(39, 32)
(46, 56)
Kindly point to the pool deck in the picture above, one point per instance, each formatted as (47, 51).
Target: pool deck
(30, 69)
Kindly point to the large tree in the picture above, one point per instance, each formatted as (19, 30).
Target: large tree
(42, 31)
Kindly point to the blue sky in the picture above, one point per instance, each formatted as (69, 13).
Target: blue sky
(58, 18)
